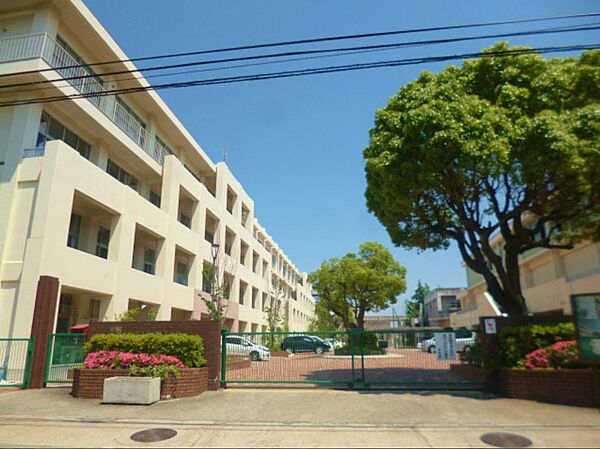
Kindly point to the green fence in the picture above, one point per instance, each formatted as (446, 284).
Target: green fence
(404, 358)
(15, 361)
(65, 352)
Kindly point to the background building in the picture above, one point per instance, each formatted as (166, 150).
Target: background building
(438, 304)
(548, 278)
(112, 195)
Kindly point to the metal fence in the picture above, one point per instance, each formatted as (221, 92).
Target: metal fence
(15, 361)
(405, 358)
(65, 352)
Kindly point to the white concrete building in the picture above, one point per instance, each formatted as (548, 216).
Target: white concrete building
(112, 195)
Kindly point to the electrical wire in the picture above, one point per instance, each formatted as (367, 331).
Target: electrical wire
(324, 52)
(320, 39)
(307, 72)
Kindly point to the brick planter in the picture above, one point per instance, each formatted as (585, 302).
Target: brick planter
(280, 354)
(89, 383)
(580, 387)
(469, 373)
(239, 364)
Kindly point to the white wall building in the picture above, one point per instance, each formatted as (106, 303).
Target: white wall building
(112, 195)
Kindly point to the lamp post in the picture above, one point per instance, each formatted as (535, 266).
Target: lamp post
(214, 251)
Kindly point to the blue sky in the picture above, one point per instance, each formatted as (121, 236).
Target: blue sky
(296, 144)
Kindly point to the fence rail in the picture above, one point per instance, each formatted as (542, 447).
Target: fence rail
(407, 358)
(65, 352)
(15, 361)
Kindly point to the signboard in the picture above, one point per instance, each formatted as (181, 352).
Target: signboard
(445, 345)
(586, 313)
(490, 326)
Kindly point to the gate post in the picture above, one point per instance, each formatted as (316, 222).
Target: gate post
(223, 357)
(42, 325)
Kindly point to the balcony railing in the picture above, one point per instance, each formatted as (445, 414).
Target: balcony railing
(42, 45)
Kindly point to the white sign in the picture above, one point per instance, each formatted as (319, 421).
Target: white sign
(490, 326)
(445, 345)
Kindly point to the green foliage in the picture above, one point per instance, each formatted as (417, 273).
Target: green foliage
(415, 302)
(467, 153)
(147, 313)
(324, 320)
(160, 371)
(187, 348)
(473, 357)
(515, 342)
(368, 281)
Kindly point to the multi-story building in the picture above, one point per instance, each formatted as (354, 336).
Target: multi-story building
(438, 304)
(548, 278)
(111, 194)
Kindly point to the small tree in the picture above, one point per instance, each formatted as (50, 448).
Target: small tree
(415, 303)
(220, 290)
(355, 284)
(508, 145)
(276, 309)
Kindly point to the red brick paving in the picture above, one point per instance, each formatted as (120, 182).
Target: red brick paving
(397, 366)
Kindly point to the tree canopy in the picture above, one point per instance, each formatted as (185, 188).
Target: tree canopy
(368, 281)
(504, 145)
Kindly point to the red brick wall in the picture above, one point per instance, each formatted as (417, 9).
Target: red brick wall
(469, 373)
(209, 331)
(89, 383)
(579, 387)
(239, 364)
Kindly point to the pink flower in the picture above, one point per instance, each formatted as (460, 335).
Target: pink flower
(114, 360)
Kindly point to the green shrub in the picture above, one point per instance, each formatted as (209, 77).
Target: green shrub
(346, 350)
(515, 342)
(187, 348)
(473, 357)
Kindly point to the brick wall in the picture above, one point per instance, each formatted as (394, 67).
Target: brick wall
(580, 387)
(89, 383)
(469, 373)
(239, 364)
(209, 331)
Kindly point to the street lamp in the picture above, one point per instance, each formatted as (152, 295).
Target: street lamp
(214, 251)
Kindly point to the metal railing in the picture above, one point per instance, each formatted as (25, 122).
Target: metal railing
(42, 45)
(401, 358)
(64, 352)
(15, 361)
(33, 152)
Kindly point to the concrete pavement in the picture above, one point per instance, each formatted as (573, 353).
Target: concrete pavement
(293, 418)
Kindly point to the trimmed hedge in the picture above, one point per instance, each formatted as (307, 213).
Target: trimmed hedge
(187, 348)
(515, 342)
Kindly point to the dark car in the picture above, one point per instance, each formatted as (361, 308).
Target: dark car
(304, 343)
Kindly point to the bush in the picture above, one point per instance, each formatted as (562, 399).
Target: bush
(473, 357)
(516, 342)
(187, 348)
(563, 354)
(148, 365)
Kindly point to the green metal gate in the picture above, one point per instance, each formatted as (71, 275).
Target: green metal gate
(15, 361)
(65, 352)
(394, 358)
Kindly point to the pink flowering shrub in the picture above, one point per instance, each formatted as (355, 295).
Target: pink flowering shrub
(562, 354)
(151, 365)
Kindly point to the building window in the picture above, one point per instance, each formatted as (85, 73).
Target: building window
(122, 175)
(181, 273)
(52, 129)
(94, 310)
(102, 242)
(149, 260)
(185, 220)
(74, 228)
(154, 198)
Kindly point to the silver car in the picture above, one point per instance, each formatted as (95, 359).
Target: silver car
(243, 346)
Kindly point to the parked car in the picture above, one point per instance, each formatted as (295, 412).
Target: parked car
(243, 346)
(335, 344)
(463, 344)
(304, 343)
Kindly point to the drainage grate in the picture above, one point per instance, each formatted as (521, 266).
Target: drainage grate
(153, 435)
(503, 439)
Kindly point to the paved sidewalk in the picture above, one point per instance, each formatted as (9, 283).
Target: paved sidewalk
(293, 418)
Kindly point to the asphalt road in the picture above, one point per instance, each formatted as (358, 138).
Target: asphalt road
(306, 417)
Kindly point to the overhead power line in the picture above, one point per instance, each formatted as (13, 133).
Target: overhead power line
(307, 72)
(321, 39)
(330, 52)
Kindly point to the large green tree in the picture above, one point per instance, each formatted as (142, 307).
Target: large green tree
(507, 144)
(351, 286)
